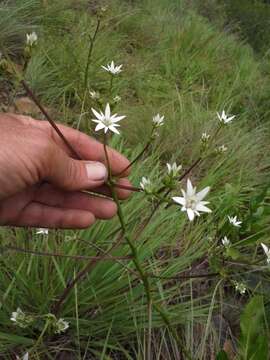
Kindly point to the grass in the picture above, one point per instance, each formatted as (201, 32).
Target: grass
(181, 65)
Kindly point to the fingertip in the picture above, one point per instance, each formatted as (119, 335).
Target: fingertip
(86, 220)
(123, 193)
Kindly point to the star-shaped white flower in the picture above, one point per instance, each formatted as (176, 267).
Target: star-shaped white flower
(226, 242)
(222, 149)
(192, 202)
(173, 169)
(205, 137)
(225, 119)
(112, 68)
(146, 184)
(267, 252)
(240, 287)
(106, 120)
(234, 221)
(158, 120)
(31, 39)
(61, 326)
(94, 94)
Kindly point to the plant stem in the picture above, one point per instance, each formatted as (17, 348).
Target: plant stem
(138, 156)
(47, 116)
(143, 275)
(75, 257)
(90, 51)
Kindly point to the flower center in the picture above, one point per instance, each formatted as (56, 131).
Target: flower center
(107, 122)
(192, 203)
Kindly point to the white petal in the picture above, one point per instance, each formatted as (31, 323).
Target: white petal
(179, 200)
(113, 129)
(107, 111)
(99, 126)
(99, 116)
(190, 190)
(265, 249)
(203, 208)
(200, 195)
(190, 214)
(115, 118)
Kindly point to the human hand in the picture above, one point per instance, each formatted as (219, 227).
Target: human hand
(40, 184)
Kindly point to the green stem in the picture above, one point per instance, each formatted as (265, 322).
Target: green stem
(135, 258)
(139, 155)
(41, 335)
(90, 51)
(111, 86)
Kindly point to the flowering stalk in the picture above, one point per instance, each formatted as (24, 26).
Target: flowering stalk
(90, 51)
(139, 155)
(143, 275)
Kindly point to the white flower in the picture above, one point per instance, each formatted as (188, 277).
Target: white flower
(61, 326)
(226, 242)
(117, 98)
(234, 221)
(20, 318)
(191, 202)
(25, 357)
(31, 39)
(94, 94)
(158, 120)
(225, 119)
(107, 121)
(240, 287)
(222, 149)
(42, 231)
(267, 252)
(146, 184)
(113, 69)
(205, 137)
(173, 169)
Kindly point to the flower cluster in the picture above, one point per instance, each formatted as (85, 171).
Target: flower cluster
(112, 68)
(21, 319)
(173, 169)
(60, 326)
(158, 120)
(31, 39)
(234, 221)
(224, 118)
(240, 287)
(226, 242)
(146, 185)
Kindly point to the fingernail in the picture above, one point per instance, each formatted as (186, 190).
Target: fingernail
(96, 171)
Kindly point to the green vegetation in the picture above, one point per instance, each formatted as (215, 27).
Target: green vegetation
(180, 64)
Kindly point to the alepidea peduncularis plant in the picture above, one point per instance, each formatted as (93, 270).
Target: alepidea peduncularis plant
(175, 188)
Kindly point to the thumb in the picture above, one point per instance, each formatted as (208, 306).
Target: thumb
(69, 174)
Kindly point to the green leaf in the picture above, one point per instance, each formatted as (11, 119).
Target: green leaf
(233, 253)
(253, 340)
(222, 355)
